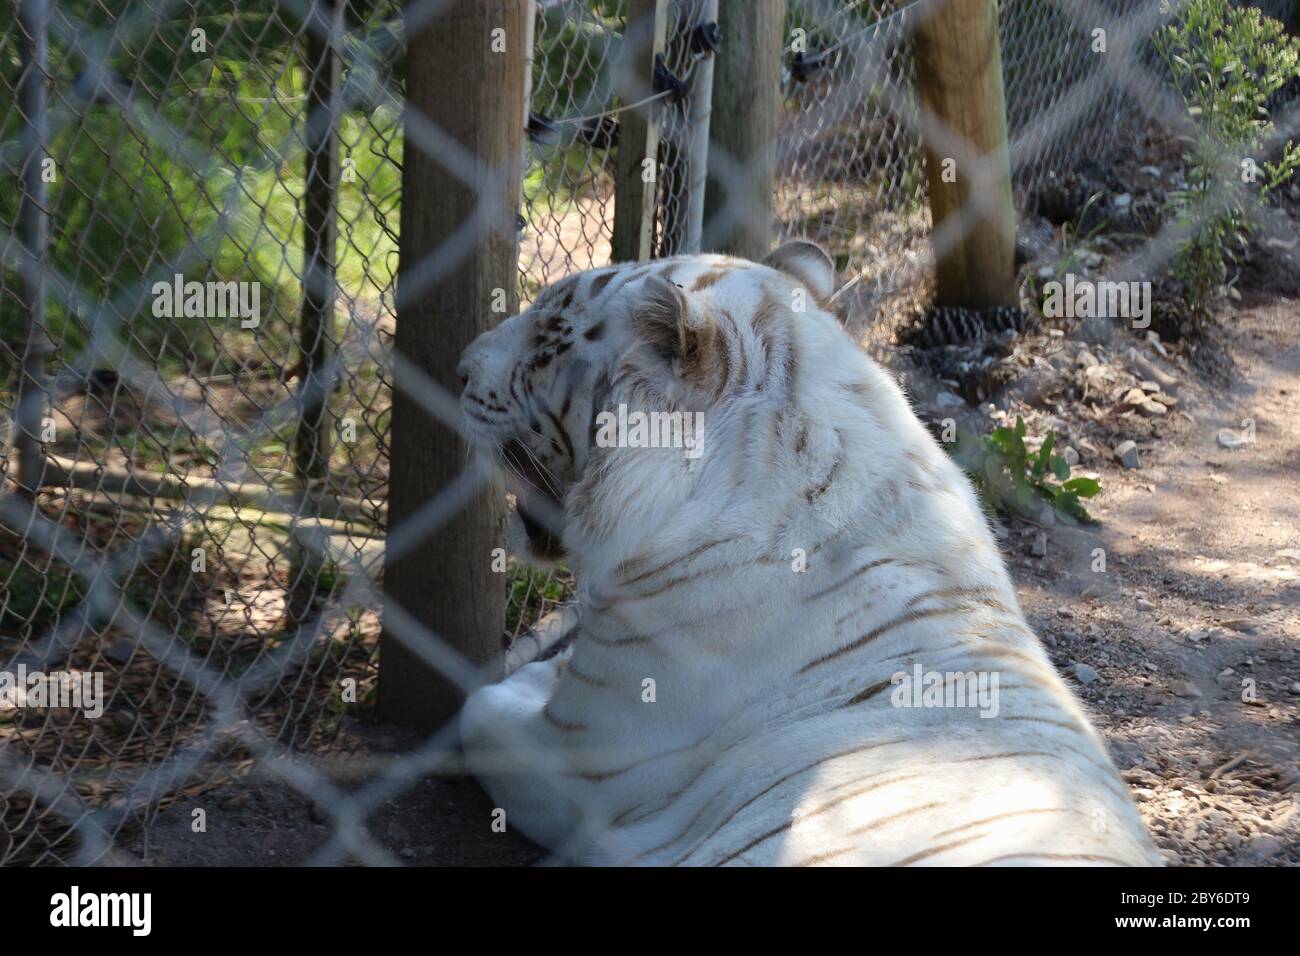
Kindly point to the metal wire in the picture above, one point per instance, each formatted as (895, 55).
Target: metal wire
(172, 546)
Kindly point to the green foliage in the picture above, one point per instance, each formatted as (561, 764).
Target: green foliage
(142, 188)
(1013, 480)
(527, 589)
(1225, 62)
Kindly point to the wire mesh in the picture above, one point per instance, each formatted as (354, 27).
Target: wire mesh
(188, 541)
(569, 187)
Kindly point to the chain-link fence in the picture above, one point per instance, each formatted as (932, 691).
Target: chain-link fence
(197, 298)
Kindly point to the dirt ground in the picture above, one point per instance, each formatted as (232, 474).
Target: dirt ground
(1186, 647)
(1184, 644)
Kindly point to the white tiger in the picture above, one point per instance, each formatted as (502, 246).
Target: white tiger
(755, 608)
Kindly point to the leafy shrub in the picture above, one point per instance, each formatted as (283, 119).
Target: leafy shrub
(141, 189)
(1013, 480)
(1225, 62)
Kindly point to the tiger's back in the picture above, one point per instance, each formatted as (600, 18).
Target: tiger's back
(798, 644)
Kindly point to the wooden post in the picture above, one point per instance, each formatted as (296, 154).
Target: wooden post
(33, 236)
(638, 134)
(445, 581)
(743, 129)
(964, 125)
(317, 330)
(699, 112)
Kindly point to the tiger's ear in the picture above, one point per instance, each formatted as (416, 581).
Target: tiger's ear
(808, 263)
(667, 322)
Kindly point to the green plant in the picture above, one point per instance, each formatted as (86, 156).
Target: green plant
(1012, 479)
(1225, 62)
(527, 590)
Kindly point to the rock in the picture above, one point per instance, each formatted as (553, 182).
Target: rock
(1126, 452)
(1071, 458)
(1150, 371)
(1144, 605)
(1039, 549)
(1149, 386)
(1122, 201)
(1143, 794)
(1064, 612)
(1295, 688)
(1153, 171)
(1290, 554)
(1085, 674)
(1141, 776)
(1263, 848)
(1134, 397)
(1151, 408)
(1185, 689)
(1127, 753)
(1198, 635)
(948, 400)
(1230, 439)
(1086, 359)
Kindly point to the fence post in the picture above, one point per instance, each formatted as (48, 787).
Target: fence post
(317, 330)
(959, 80)
(699, 112)
(638, 133)
(33, 237)
(465, 75)
(320, 238)
(746, 111)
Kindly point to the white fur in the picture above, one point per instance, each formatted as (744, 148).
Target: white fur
(751, 752)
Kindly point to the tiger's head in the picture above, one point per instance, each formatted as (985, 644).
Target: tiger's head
(611, 397)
